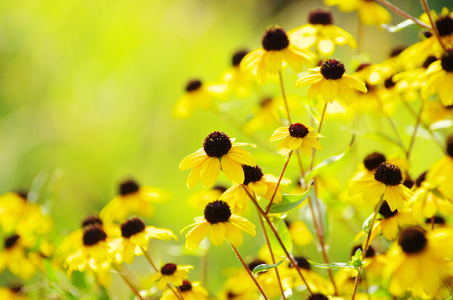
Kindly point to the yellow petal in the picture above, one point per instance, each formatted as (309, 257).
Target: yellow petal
(192, 160)
(243, 224)
(309, 80)
(315, 89)
(217, 233)
(233, 234)
(354, 83)
(329, 90)
(279, 133)
(241, 156)
(209, 172)
(232, 169)
(196, 235)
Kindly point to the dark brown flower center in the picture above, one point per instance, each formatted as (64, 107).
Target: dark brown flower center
(320, 16)
(373, 160)
(413, 240)
(23, 194)
(168, 269)
(217, 211)
(447, 61)
(238, 56)
(388, 174)
(369, 253)
(10, 241)
(298, 130)
(193, 85)
(128, 187)
(275, 38)
(397, 50)
(255, 263)
(420, 179)
(217, 144)
(362, 66)
(266, 102)
(332, 69)
(389, 83)
(317, 296)
(252, 174)
(408, 182)
(91, 221)
(429, 60)
(93, 235)
(385, 210)
(131, 227)
(437, 220)
(220, 188)
(186, 286)
(450, 146)
(301, 262)
(444, 25)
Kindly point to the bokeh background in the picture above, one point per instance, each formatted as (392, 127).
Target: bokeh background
(87, 89)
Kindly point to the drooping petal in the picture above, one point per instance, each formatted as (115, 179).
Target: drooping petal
(242, 156)
(329, 90)
(354, 83)
(192, 160)
(196, 235)
(279, 133)
(232, 169)
(233, 234)
(209, 172)
(217, 233)
(243, 224)
(309, 80)
(315, 89)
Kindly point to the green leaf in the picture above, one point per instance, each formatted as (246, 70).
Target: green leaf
(264, 267)
(357, 258)
(367, 223)
(331, 265)
(407, 24)
(284, 235)
(290, 201)
(327, 162)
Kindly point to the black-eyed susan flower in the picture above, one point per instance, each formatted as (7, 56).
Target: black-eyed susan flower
(277, 52)
(370, 12)
(133, 199)
(390, 222)
(316, 282)
(299, 232)
(428, 200)
(373, 262)
(200, 199)
(198, 95)
(321, 33)
(171, 273)
(219, 224)
(266, 114)
(256, 183)
(439, 78)
(135, 236)
(441, 172)
(331, 82)
(239, 82)
(296, 136)
(17, 257)
(13, 293)
(419, 261)
(218, 152)
(95, 254)
(386, 182)
(188, 290)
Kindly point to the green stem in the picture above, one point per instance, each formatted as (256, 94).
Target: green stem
(280, 76)
(402, 13)
(417, 124)
(268, 243)
(128, 282)
(433, 24)
(278, 182)
(248, 271)
(277, 236)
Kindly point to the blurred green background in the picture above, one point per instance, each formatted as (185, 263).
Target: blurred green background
(87, 88)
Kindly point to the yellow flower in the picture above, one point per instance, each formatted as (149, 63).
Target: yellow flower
(220, 224)
(16, 256)
(171, 273)
(428, 200)
(387, 182)
(444, 24)
(198, 95)
(316, 282)
(13, 293)
(440, 77)
(189, 291)
(441, 173)
(133, 199)
(296, 136)
(419, 261)
(299, 232)
(135, 236)
(218, 152)
(95, 253)
(321, 32)
(263, 185)
(277, 52)
(239, 82)
(266, 114)
(200, 199)
(370, 12)
(331, 82)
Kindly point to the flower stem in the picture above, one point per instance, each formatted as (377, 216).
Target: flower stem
(148, 258)
(266, 238)
(361, 37)
(278, 182)
(402, 13)
(128, 282)
(274, 230)
(313, 152)
(280, 76)
(367, 243)
(248, 271)
(417, 124)
(433, 24)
